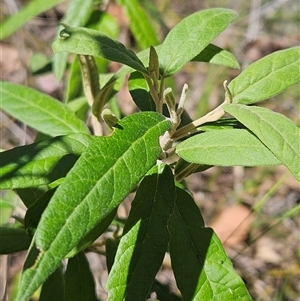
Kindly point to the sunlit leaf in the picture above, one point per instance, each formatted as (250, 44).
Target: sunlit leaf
(104, 174)
(228, 147)
(267, 77)
(39, 111)
(274, 130)
(188, 38)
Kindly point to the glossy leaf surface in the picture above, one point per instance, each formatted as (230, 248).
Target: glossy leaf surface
(102, 177)
(145, 239)
(42, 162)
(274, 130)
(79, 280)
(188, 38)
(228, 147)
(201, 267)
(92, 42)
(267, 77)
(39, 111)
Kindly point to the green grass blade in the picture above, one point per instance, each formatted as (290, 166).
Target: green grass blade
(92, 42)
(188, 38)
(42, 162)
(267, 77)
(201, 267)
(139, 24)
(145, 239)
(79, 280)
(39, 111)
(101, 178)
(228, 147)
(274, 130)
(33, 8)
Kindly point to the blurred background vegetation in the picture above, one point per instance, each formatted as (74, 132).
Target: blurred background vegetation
(255, 211)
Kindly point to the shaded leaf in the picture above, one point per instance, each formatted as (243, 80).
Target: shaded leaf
(102, 177)
(39, 111)
(31, 194)
(267, 77)
(42, 162)
(228, 147)
(188, 38)
(34, 212)
(139, 92)
(274, 130)
(92, 42)
(145, 238)
(111, 247)
(87, 240)
(79, 280)
(201, 267)
(53, 288)
(13, 240)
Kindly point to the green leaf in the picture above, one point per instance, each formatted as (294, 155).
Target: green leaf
(79, 280)
(53, 288)
(201, 267)
(39, 111)
(33, 8)
(228, 147)
(188, 38)
(145, 238)
(13, 240)
(163, 292)
(274, 130)
(34, 212)
(102, 177)
(82, 10)
(218, 56)
(139, 24)
(92, 42)
(42, 162)
(139, 92)
(267, 77)
(87, 240)
(111, 247)
(211, 54)
(31, 194)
